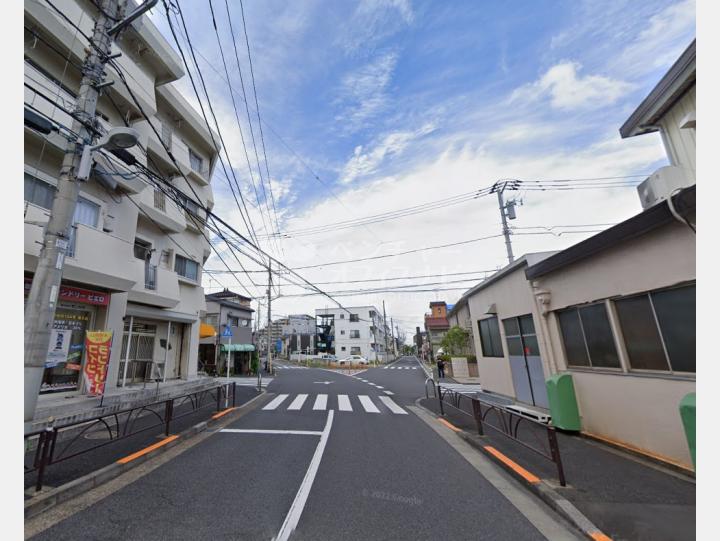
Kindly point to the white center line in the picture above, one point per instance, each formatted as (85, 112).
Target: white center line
(392, 406)
(276, 402)
(379, 386)
(344, 403)
(296, 509)
(298, 402)
(389, 392)
(368, 404)
(320, 402)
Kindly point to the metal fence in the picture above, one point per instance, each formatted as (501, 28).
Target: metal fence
(59, 443)
(542, 437)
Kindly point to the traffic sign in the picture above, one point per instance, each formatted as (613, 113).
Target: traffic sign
(226, 332)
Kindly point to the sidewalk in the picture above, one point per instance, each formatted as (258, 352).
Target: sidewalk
(625, 496)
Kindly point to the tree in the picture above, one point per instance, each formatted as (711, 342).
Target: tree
(455, 340)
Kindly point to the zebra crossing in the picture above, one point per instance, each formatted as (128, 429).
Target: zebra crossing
(283, 367)
(343, 402)
(400, 368)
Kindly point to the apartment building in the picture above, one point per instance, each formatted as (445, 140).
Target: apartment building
(357, 330)
(231, 313)
(134, 265)
(436, 327)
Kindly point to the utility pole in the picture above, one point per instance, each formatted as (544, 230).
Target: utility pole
(269, 321)
(506, 211)
(385, 330)
(43, 297)
(392, 330)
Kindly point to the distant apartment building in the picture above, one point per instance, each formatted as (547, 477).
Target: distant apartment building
(226, 313)
(436, 327)
(357, 330)
(135, 257)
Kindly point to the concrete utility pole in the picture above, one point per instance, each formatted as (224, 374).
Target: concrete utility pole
(43, 297)
(269, 320)
(504, 216)
(385, 330)
(392, 330)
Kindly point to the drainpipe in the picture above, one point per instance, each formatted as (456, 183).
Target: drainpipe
(167, 346)
(542, 302)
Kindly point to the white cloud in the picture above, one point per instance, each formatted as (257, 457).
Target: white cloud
(372, 22)
(363, 92)
(568, 91)
(366, 161)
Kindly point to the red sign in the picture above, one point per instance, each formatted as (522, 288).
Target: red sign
(97, 357)
(76, 294)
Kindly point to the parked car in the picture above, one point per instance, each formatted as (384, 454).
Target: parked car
(354, 359)
(328, 357)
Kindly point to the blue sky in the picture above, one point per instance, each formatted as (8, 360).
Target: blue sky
(398, 102)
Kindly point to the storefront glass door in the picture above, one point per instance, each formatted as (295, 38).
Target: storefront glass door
(65, 355)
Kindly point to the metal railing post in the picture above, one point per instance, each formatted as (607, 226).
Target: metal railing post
(555, 453)
(45, 438)
(439, 396)
(219, 393)
(234, 388)
(477, 413)
(168, 415)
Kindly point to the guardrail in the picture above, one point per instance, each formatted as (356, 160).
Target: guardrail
(60, 443)
(508, 424)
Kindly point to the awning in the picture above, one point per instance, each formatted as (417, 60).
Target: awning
(237, 347)
(207, 331)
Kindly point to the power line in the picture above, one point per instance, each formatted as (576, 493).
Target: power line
(220, 271)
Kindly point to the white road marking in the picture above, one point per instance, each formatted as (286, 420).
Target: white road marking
(364, 380)
(279, 399)
(258, 431)
(296, 509)
(344, 403)
(389, 392)
(392, 406)
(320, 402)
(298, 402)
(379, 386)
(368, 404)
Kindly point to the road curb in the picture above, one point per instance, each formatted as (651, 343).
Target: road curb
(542, 489)
(48, 499)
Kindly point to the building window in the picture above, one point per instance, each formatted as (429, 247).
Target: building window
(354, 318)
(490, 337)
(342, 316)
(342, 348)
(355, 350)
(355, 334)
(141, 249)
(588, 337)
(659, 329)
(41, 193)
(371, 313)
(196, 161)
(186, 267)
(233, 321)
(342, 331)
(211, 319)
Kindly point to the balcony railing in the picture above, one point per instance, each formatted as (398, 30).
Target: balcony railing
(150, 276)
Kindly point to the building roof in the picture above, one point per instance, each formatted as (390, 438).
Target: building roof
(224, 294)
(525, 260)
(679, 78)
(230, 304)
(437, 303)
(640, 224)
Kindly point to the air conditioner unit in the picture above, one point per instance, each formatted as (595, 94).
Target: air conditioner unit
(658, 186)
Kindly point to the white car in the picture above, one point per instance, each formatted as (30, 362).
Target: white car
(354, 359)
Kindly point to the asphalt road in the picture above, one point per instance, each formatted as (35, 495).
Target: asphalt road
(324, 456)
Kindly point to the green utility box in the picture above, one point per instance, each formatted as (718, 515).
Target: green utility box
(563, 405)
(687, 414)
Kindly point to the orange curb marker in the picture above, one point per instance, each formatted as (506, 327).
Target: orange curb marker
(145, 451)
(599, 536)
(450, 425)
(513, 465)
(221, 413)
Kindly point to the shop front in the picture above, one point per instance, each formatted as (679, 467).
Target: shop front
(78, 310)
(238, 355)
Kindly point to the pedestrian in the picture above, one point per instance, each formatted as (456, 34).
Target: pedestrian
(441, 368)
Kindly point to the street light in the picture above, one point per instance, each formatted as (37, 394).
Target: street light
(115, 139)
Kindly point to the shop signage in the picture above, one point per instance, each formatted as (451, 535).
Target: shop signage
(58, 348)
(97, 357)
(77, 294)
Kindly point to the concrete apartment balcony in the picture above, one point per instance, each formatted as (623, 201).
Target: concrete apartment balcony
(94, 257)
(162, 210)
(154, 285)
